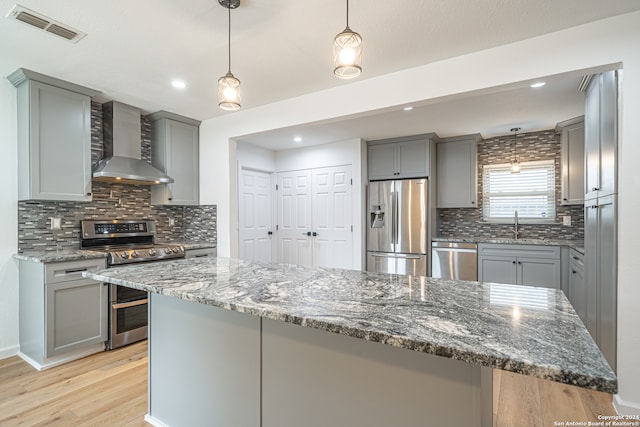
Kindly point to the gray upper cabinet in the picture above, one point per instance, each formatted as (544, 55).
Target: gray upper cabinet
(399, 158)
(457, 170)
(572, 160)
(54, 138)
(175, 151)
(601, 135)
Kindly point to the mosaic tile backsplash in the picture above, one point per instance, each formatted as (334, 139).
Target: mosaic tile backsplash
(544, 145)
(111, 201)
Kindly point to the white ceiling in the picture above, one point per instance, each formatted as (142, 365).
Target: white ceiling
(280, 48)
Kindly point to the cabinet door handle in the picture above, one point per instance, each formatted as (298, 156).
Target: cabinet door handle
(88, 194)
(596, 189)
(473, 203)
(573, 271)
(314, 234)
(519, 262)
(513, 262)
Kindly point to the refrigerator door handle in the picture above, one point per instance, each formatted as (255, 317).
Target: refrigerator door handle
(388, 255)
(394, 217)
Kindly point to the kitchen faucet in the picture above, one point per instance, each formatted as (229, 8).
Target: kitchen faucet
(516, 232)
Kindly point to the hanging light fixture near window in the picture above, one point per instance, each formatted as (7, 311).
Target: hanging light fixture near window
(347, 52)
(229, 85)
(515, 164)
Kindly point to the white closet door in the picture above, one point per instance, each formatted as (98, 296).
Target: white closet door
(255, 221)
(332, 243)
(294, 217)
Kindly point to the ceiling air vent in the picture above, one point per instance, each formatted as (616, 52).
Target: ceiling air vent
(584, 83)
(38, 20)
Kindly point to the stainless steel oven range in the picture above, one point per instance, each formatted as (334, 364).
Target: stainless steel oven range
(127, 242)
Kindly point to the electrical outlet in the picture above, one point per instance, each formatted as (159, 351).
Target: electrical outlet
(56, 223)
(566, 220)
(172, 222)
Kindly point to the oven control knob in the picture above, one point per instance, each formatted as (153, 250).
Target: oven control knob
(124, 255)
(175, 250)
(152, 252)
(167, 251)
(134, 254)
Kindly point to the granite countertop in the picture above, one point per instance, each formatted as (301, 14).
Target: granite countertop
(577, 244)
(60, 255)
(532, 331)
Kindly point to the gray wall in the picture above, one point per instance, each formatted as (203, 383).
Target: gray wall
(111, 201)
(544, 145)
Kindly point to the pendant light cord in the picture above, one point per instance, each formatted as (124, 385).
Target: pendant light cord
(347, 13)
(229, 39)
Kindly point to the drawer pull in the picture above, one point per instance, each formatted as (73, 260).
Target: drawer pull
(75, 270)
(130, 304)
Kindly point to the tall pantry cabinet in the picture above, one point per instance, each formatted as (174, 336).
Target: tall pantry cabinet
(600, 206)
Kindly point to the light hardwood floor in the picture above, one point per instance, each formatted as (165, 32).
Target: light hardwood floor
(110, 389)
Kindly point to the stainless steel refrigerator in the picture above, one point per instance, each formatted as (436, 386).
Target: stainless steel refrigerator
(397, 240)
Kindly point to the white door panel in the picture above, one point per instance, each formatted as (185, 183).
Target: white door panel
(255, 215)
(332, 217)
(294, 217)
(315, 201)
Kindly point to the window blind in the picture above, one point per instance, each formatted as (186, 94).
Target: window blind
(530, 192)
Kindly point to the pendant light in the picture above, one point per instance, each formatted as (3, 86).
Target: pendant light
(515, 164)
(347, 53)
(229, 85)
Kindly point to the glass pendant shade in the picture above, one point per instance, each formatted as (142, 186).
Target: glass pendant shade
(515, 167)
(229, 92)
(347, 54)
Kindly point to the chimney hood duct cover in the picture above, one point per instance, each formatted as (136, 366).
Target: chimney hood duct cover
(122, 145)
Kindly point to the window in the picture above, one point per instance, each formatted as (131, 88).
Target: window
(530, 192)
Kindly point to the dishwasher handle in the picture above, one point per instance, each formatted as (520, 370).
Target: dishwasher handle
(471, 251)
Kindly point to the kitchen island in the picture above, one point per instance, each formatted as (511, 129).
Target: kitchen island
(249, 344)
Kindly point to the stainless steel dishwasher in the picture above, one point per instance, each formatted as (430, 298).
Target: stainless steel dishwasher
(457, 261)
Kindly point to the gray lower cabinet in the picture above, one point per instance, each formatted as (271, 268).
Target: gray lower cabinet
(175, 151)
(531, 265)
(600, 239)
(54, 138)
(399, 158)
(200, 253)
(577, 287)
(62, 315)
(457, 172)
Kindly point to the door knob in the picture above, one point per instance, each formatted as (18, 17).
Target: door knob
(314, 234)
(269, 233)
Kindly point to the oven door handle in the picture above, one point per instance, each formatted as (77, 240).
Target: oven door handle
(130, 304)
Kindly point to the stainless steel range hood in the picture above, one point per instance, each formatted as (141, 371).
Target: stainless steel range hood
(122, 147)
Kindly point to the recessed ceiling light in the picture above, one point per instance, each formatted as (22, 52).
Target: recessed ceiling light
(408, 108)
(297, 139)
(178, 84)
(538, 84)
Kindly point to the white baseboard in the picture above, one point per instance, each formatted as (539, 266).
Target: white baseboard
(623, 407)
(154, 422)
(63, 358)
(9, 351)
